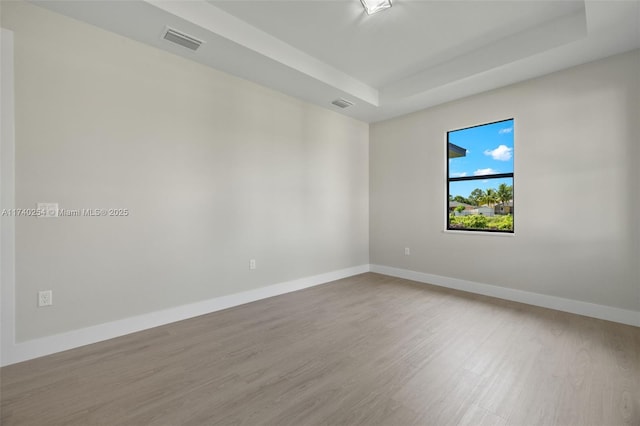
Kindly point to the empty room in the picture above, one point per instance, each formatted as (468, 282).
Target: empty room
(310, 212)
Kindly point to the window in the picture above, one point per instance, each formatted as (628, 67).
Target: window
(480, 178)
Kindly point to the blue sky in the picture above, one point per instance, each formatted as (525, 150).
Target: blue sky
(489, 150)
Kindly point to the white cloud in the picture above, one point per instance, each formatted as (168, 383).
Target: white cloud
(482, 172)
(501, 153)
(505, 130)
(458, 174)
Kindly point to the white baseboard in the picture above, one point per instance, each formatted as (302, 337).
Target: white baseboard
(608, 313)
(18, 352)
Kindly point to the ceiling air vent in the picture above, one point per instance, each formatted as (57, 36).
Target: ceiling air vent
(182, 39)
(342, 103)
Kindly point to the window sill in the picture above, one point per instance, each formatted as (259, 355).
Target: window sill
(493, 234)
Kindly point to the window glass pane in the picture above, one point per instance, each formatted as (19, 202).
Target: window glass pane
(482, 204)
(481, 150)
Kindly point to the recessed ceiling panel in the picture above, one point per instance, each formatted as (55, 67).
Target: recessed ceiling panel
(409, 37)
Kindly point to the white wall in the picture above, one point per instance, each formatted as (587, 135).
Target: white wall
(214, 170)
(577, 150)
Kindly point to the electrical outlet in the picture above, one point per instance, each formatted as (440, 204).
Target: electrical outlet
(407, 251)
(45, 298)
(252, 264)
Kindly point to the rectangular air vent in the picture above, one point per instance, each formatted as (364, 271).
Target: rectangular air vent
(342, 103)
(182, 39)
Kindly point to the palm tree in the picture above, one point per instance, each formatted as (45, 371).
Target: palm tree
(489, 197)
(504, 193)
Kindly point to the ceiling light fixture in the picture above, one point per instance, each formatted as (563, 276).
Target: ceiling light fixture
(373, 6)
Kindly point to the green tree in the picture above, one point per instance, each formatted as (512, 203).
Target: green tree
(461, 199)
(476, 196)
(504, 193)
(460, 209)
(489, 197)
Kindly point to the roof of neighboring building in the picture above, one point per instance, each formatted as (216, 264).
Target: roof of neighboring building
(456, 151)
(456, 204)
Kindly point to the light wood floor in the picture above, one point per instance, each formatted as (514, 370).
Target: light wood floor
(367, 350)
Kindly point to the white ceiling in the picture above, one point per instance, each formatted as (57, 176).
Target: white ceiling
(415, 55)
(386, 47)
